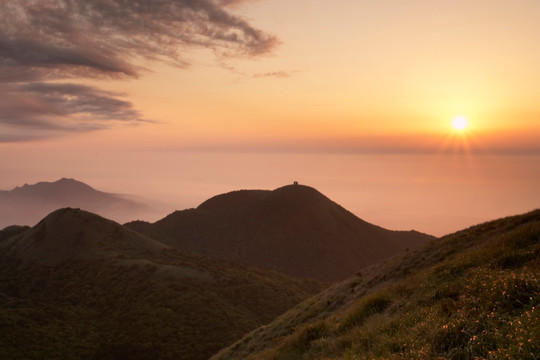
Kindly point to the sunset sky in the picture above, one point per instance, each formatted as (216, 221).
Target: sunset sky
(179, 100)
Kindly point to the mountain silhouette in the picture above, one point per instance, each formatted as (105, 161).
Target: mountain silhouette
(73, 234)
(79, 286)
(27, 204)
(294, 230)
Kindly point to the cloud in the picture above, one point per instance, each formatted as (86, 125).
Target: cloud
(44, 41)
(105, 38)
(30, 109)
(31, 60)
(274, 74)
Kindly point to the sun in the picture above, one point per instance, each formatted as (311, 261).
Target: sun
(459, 123)
(461, 138)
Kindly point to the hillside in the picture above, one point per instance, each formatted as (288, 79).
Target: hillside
(74, 234)
(294, 230)
(78, 286)
(474, 294)
(27, 204)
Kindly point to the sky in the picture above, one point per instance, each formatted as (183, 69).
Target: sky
(179, 100)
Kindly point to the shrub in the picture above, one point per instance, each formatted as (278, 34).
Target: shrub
(372, 304)
(301, 342)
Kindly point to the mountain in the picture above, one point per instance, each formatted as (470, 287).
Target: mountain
(474, 294)
(294, 229)
(72, 235)
(79, 286)
(12, 230)
(27, 204)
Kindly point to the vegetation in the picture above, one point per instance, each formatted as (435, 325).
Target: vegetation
(472, 295)
(130, 310)
(78, 286)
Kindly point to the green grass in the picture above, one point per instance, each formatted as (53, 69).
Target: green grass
(367, 306)
(472, 295)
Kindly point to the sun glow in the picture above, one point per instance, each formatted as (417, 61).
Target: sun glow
(461, 139)
(459, 123)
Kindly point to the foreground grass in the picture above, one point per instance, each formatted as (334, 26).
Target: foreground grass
(471, 295)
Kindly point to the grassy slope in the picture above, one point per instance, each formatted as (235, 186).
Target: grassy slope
(116, 304)
(472, 295)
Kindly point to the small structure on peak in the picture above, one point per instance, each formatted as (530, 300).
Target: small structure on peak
(295, 183)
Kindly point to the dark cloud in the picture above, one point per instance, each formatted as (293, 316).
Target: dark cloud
(43, 41)
(30, 60)
(54, 109)
(94, 38)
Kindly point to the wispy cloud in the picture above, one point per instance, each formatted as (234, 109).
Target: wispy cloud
(95, 38)
(274, 74)
(44, 41)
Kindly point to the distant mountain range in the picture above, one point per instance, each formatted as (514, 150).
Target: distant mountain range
(294, 229)
(27, 204)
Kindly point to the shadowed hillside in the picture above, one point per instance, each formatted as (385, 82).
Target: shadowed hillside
(27, 204)
(11, 231)
(73, 234)
(474, 294)
(78, 286)
(294, 229)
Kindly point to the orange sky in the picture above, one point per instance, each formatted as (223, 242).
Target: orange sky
(353, 70)
(356, 71)
(384, 77)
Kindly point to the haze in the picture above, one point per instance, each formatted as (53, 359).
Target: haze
(184, 100)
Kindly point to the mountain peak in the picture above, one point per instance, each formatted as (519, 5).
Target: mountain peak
(65, 180)
(70, 234)
(61, 185)
(296, 193)
(297, 187)
(286, 195)
(27, 204)
(297, 190)
(293, 229)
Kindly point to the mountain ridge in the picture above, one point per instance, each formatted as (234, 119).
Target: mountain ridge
(472, 294)
(72, 234)
(293, 229)
(28, 204)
